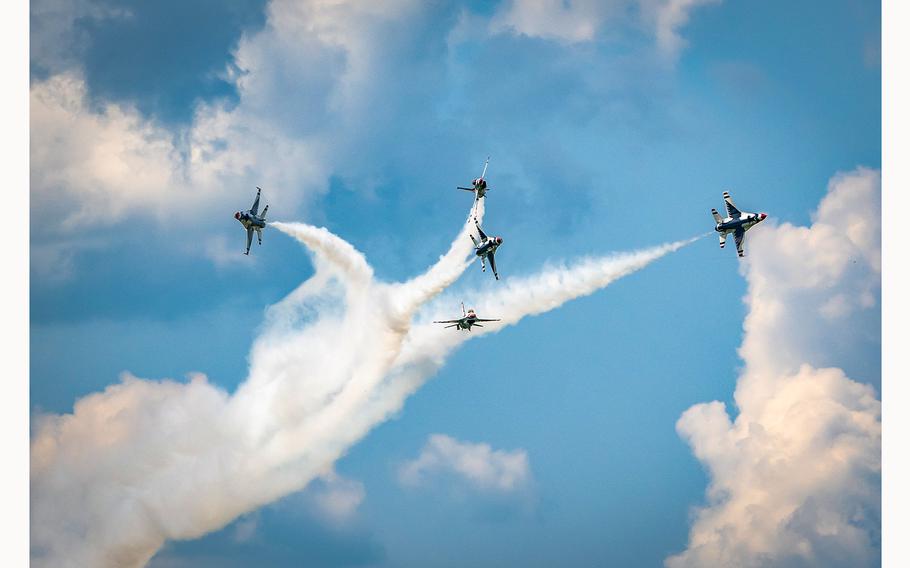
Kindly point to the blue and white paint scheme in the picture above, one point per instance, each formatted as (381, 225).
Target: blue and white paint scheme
(736, 222)
(486, 248)
(252, 221)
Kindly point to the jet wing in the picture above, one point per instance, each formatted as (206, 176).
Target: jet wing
(738, 236)
(465, 188)
(732, 211)
(483, 236)
(255, 208)
(478, 319)
(249, 239)
(493, 264)
(448, 321)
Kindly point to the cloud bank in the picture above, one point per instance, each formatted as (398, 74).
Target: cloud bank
(147, 461)
(97, 163)
(795, 478)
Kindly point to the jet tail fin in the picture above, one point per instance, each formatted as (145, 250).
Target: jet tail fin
(264, 211)
(717, 216)
(723, 240)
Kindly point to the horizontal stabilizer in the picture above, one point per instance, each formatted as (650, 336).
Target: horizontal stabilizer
(732, 210)
(717, 216)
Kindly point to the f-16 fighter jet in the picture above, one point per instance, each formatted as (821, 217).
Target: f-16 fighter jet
(736, 222)
(466, 321)
(252, 221)
(479, 184)
(485, 248)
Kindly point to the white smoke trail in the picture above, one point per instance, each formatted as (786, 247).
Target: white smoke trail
(428, 345)
(147, 461)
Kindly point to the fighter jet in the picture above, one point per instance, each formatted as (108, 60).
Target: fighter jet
(736, 222)
(485, 248)
(479, 184)
(469, 319)
(252, 221)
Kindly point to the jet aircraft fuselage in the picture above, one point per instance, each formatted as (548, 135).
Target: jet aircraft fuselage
(489, 246)
(479, 185)
(467, 320)
(485, 248)
(252, 221)
(736, 222)
(249, 220)
(746, 222)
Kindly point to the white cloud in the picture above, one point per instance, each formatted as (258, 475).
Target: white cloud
(478, 464)
(95, 164)
(317, 86)
(795, 479)
(573, 21)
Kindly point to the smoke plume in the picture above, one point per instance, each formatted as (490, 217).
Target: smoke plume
(148, 461)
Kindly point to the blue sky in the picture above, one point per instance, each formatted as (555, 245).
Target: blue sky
(607, 143)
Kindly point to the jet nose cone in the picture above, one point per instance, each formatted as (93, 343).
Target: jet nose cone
(237, 215)
(762, 216)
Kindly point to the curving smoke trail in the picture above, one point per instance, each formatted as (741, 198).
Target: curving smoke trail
(147, 461)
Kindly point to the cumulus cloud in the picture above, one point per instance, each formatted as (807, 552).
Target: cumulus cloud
(318, 83)
(94, 165)
(795, 478)
(476, 463)
(97, 163)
